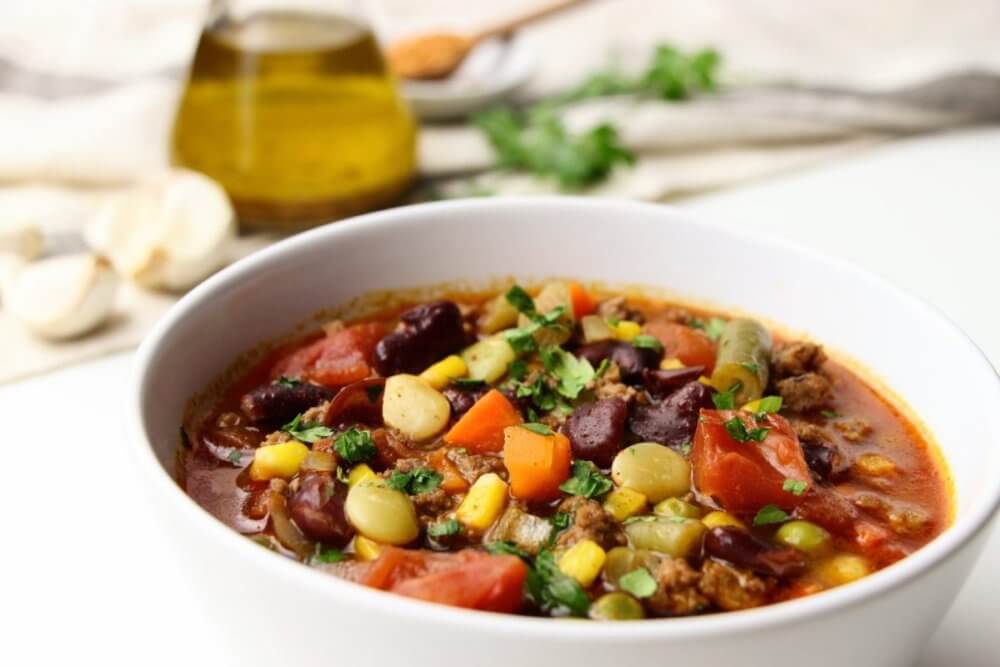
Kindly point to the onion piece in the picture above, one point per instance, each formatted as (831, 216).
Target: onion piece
(287, 532)
(320, 461)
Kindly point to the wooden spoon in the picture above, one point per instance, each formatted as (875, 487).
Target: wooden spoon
(437, 55)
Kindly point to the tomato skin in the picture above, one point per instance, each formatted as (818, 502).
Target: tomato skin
(470, 579)
(744, 476)
(335, 360)
(690, 346)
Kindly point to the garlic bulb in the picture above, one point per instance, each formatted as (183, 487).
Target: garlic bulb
(21, 238)
(62, 296)
(169, 233)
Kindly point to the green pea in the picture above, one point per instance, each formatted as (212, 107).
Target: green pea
(802, 535)
(616, 607)
(677, 507)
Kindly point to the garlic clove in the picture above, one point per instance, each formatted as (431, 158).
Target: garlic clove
(62, 296)
(21, 238)
(170, 233)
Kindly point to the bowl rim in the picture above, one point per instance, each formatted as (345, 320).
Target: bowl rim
(964, 528)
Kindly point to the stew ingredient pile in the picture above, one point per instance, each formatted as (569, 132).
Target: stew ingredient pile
(567, 453)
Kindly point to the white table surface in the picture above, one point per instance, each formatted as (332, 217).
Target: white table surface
(84, 576)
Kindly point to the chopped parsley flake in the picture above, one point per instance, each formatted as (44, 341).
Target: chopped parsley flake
(738, 431)
(416, 481)
(329, 555)
(571, 373)
(540, 429)
(443, 528)
(286, 381)
(355, 445)
(770, 514)
(521, 300)
(644, 341)
(726, 400)
(310, 432)
(639, 583)
(468, 383)
(713, 328)
(561, 520)
(552, 590)
(507, 549)
(586, 480)
(795, 486)
(770, 404)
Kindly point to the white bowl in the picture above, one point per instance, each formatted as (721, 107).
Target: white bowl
(279, 612)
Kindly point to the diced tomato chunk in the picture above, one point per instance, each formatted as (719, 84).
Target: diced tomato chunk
(470, 579)
(744, 476)
(691, 346)
(337, 359)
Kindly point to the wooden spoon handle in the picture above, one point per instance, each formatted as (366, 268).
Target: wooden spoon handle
(510, 25)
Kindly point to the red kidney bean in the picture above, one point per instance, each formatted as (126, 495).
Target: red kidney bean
(664, 381)
(427, 333)
(317, 508)
(596, 431)
(279, 403)
(358, 402)
(631, 360)
(742, 549)
(674, 419)
(462, 399)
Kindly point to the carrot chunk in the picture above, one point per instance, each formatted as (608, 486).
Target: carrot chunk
(481, 429)
(582, 301)
(537, 464)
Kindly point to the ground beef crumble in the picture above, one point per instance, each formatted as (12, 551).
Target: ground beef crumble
(796, 358)
(590, 522)
(731, 588)
(677, 592)
(474, 466)
(805, 392)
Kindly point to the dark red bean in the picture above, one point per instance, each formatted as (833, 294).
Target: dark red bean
(462, 399)
(674, 419)
(279, 403)
(596, 431)
(317, 508)
(742, 549)
(358, 402)
(427, 333)
(631, 360)
(665, 381)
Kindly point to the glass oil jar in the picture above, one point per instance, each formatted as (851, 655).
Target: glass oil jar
(290, 106)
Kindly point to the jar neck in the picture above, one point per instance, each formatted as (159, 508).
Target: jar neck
(240, 10)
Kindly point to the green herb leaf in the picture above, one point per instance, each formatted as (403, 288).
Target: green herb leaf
(443, 528)
(540, 429)
(416, 481)
(355, 445)
(726, 400)
(795, 486)
(770, 514)
(639, 583)
(571, 373)
(329, 555)
(751, 366)
(287, 381)
(521, 300)
(586, 480)
(468, 383)
(829, 414)
(517, 369)
(561, 520)
(602, 368)
(505, 548)
(770, 404)
(738, 430)
(714, 328)
(675, 75)
(310, 432)
(235, 456)
(552, 590)
(648, 342)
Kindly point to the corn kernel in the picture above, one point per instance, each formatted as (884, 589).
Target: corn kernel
(875, 465)
(843, 569)
(583, 561)
(670, 363)
(366, 549)
(279, 460)
(626, 330)
(623, 503)
(444, 371)
(705, 380)
(360, 473)
(752, 406)
(720, 520)
(484, 502)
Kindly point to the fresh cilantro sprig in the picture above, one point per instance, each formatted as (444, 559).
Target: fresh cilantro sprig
(444, 528)
(586, 480)
(739, 432)
(572, 374)
(770, 514)
(795, 486)
(552, 590)
(713, 328)
(535, 427)
(416, 481)
(304, 431)
(726, 400)
(355, 445)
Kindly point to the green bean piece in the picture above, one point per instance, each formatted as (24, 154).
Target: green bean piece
(743, 360)
(616, 607)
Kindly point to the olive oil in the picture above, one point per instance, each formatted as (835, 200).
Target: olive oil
(297, 117)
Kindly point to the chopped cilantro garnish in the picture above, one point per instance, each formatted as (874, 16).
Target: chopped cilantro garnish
(602, 368)
(416, 481)
(521, 300)
(443, 528)
(769, 514)
(561, 520)
(738, 430)
(713, 328)
(586, 480)
(726, 400)
(306, 431)
(639, 583)
(468, 383)
(329, 555)
(286, 381)
(355, 445)
(517, 369)
(523, 339)
(540, 429)
(770, 404)
(507, 549)
(751, 366)
(795, 486)
(552, 590)
(572, 373)
(647, 342)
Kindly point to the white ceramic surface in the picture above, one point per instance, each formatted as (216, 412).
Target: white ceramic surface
(276, 608)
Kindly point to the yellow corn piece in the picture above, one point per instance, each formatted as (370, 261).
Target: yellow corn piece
(626, 330)
(752, 406)
(484, 502)
(721, 519)
(875, 465)
(704, 379)
(843, 569)
(360, 473)
(366, 549)
(280, 460)
(583, 561)
(444, 371)
(623, 503)
(670, 363)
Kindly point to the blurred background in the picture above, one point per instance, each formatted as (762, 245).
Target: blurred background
(146, 143)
